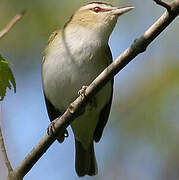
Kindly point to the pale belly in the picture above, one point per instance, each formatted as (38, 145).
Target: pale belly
(63, 78)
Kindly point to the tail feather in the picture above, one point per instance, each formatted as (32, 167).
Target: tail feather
(85, 161)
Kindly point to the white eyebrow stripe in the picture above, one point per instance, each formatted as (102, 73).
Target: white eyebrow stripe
(100, 3)
(96, 4)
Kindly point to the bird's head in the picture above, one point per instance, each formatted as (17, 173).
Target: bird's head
(100, 17)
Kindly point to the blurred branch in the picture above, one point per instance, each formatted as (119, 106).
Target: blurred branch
(11, 24)
(74, 110)
(2, 34)
(3, 149)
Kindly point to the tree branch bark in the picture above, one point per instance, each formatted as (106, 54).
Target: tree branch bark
(11, 24)
(74, 110)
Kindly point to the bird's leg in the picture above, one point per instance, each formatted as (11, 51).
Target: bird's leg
(52, 132)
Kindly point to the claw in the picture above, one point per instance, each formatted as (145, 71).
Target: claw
(51, 131)
(82, 91)
(66, 133)
(51, 128)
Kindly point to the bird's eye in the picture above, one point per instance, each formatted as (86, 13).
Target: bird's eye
(97, 9)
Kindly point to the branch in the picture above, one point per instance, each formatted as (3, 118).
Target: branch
(164, 4)
(3, 149)
(11, 24)
(74, 110)
(2, 145)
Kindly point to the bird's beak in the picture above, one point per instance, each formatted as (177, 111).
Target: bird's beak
(120, 11)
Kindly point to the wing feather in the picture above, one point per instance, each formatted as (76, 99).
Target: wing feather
(53, 113)
(104, 115)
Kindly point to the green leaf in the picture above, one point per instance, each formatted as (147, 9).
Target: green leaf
(6, 78)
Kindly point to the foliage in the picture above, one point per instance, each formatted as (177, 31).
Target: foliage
(6, 78)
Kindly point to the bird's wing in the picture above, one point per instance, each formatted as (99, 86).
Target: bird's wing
(53, 113)
(103, 117)
(49, 42)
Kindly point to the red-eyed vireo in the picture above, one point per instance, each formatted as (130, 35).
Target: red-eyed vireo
(74, 57)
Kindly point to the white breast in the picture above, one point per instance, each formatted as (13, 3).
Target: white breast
(70, 64)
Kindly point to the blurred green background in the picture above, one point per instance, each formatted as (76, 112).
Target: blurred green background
(141, 140)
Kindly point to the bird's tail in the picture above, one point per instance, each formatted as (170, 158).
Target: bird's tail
(85, 161)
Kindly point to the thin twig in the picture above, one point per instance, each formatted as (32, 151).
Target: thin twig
(164, 4)
(2, 145)
(11, 24)
(3, 149)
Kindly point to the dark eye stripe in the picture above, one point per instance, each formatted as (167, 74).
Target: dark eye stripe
(101, 10)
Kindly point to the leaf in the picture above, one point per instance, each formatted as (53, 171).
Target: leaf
(6, 78)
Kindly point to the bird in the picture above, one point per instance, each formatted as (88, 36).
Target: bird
(74, 56)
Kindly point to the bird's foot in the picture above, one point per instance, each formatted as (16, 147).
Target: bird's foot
(92, 102)
(82, 91)
(52, 132)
